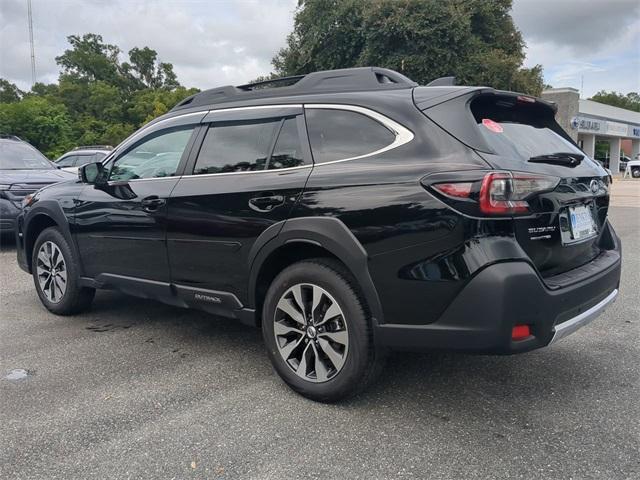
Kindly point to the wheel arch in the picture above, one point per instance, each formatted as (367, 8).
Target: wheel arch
(40, 218)
(308, 237)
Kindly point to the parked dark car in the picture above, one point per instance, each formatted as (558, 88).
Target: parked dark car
(79, 156)
(23, 170)
(347, 213)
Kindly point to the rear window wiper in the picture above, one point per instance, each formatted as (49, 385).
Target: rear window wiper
(568, 159)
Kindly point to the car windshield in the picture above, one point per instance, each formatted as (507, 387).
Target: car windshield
(21, 156)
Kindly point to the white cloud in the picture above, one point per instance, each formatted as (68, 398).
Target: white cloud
(208, 42)
(582, 43)
(217, 42)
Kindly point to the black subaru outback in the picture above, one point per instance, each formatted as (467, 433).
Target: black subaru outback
(347, 213)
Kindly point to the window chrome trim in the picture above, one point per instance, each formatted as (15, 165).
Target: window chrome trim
(144, 129)
(403, 134)
(134, 180)
(275, 170)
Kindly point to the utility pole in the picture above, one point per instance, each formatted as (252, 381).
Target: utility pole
(33, 54)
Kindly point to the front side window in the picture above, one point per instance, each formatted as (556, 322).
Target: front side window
(236, 147)
(342, 134)
(154, 157)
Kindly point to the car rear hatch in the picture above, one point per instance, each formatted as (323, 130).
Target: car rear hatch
(556, 196)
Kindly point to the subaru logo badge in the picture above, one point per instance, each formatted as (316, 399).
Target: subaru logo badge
(575, 123)
(594, 186)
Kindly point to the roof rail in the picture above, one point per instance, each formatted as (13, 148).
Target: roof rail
(6, 136)
(94, 147)
(274, 81)
(343, 80)
(442, 82)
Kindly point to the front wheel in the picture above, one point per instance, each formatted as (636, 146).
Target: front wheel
(635, 172)
(318, 332)
(56, 275)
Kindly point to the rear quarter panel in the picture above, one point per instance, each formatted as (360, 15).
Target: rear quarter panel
(399, 224)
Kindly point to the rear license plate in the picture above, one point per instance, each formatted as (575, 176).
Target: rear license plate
(583, 225)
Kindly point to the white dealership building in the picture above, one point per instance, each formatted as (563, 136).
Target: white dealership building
(588, 121)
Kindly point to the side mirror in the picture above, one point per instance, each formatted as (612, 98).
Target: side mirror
(92, 173)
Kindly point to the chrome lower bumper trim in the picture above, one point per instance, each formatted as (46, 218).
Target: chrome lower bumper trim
(567, 328)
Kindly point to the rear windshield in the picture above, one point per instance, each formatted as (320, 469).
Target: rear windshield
(518, 130)
(22, 156)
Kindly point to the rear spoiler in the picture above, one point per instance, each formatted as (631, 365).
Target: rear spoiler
(451, 110)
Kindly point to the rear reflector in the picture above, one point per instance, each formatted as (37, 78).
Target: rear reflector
(520, 332)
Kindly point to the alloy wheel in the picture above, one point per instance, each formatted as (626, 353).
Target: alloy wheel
(51, 271)
(311, 332)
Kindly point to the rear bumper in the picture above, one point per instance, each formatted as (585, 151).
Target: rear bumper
(506, 294)
(567, 328)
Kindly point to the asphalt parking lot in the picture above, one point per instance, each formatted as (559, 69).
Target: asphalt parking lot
(136, 389)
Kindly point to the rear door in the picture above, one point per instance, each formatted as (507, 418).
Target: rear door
(245, 177)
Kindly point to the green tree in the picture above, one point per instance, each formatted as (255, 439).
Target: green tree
(630, 101)
(90, 59)
(9, 92)
(98, 99)
(149, 104)
(148, 72)
(474, 40)
(45, 125)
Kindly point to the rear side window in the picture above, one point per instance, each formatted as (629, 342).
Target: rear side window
(342, 134)
(236, 147)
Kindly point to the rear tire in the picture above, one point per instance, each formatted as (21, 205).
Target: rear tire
(56, 275)
(324, 353)
(635, 172)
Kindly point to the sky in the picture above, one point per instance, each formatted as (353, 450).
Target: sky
(586, 44)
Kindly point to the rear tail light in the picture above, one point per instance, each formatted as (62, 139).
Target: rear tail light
(496, 193)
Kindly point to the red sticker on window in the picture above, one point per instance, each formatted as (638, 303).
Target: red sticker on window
(491, 125)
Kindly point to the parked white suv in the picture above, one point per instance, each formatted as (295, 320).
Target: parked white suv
(79, 156)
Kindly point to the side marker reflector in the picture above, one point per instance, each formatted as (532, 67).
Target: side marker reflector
(520, 332)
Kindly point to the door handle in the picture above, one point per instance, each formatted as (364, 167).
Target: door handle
(152, 203)
(266, 204)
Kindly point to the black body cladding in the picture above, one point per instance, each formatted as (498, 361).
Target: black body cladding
(434, 273)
